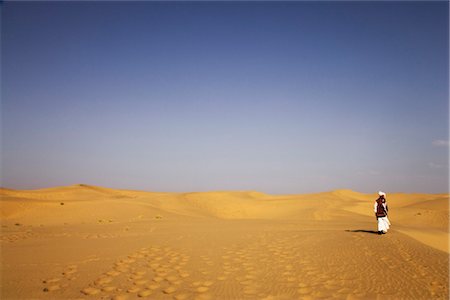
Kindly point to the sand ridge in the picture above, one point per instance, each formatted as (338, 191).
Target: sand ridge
(92, 242)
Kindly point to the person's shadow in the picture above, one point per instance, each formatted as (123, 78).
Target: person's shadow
(363, 230)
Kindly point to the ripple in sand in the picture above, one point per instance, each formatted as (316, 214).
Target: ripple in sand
(136, 277)
(113, 273)
(122, 269)
(162, 272)
(171, 278)
(140, 273)
(202, 289)
(344, 291)
(247, 282)
(120, 297)
(291, 279)
(304, 290)
(321, 294)
(145, 293)
(208, 283)
(354, 297)
(197, 283)
(153, 286)
(154, 266)
(158, 279)
(250, 291)
(203, 297)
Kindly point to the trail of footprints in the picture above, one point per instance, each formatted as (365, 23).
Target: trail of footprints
(266, 267)
(162, 272)
(235, 272)
(15, 237)
(154, 271)
(57, 283)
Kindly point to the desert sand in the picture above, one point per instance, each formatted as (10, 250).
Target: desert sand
(87, 242)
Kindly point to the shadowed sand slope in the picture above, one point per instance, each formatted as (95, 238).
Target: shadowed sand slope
(91, 242)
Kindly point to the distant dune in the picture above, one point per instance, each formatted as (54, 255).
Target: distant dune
(87, 241)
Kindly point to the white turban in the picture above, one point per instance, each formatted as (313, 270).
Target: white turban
(381, 193)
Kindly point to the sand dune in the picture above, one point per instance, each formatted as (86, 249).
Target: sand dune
(88, 242)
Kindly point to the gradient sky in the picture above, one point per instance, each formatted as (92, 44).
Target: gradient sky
(286, 97)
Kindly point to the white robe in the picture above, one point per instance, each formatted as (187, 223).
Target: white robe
(383, 222)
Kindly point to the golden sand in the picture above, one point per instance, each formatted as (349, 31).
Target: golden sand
(86, 242)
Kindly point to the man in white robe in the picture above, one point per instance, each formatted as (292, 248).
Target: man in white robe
(381, 210)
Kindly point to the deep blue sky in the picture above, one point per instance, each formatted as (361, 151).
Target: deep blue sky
(287, 97)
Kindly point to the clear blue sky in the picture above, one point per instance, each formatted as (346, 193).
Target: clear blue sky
(287, 97)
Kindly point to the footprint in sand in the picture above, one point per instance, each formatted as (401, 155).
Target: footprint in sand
(113, 273)
(145, 293)
(153, 286)
(157, 279)
(89, 291)
(133, 290)
(170, 290)
(108, 289)
(172, 279)
(140, 282)
(103, 280)
(51, 288)
(70, 271)
(181, 296)
(52, 280)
